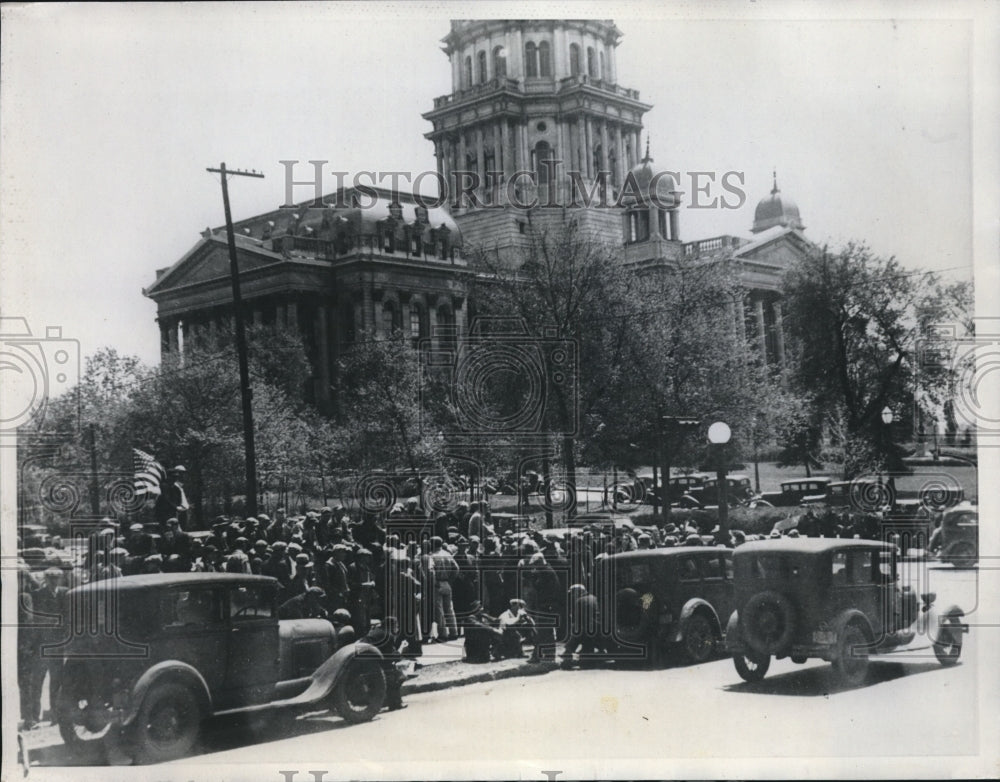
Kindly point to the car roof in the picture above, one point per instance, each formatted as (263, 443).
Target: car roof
(672, 551)
(810, 545)
(814, 479)
(166, 580)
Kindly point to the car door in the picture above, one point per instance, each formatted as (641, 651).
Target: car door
(717, 583)
(853, 585)
(192, 629)
(252, 659)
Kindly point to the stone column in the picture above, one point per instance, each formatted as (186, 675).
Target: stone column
(619, 157)
(604, 145)
(508, 150)
(292, 317)
(741, 322)
(323, 351)
(674, 217)
(581, 145)
(164, 338)
(588, 127)
(761, 328)
(517, 55)
(173, 335)
(460, 308)
(481, 160)
(280, 317)
(779, 334)
(368, 309)
(461, 165)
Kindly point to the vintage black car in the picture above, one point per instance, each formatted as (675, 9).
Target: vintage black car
(667, 599)
(796, 491)
(956, 540)
(152, 656)
(839, 600)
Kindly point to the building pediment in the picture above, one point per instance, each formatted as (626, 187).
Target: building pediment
(208, 261)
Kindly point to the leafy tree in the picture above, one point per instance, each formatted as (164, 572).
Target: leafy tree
(855, 322)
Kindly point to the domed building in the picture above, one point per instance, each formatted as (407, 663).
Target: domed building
(539, 120)
(776, 210)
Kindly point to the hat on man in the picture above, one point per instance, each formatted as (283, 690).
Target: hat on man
(261, 544)
(180, 468)
(263, 518)
(315, 591)
(342, 615)
(135, 528)
(173, 521)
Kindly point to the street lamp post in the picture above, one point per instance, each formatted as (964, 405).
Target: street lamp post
(718, 435)
(887, 419)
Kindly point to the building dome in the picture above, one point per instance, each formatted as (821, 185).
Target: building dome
(776, 209)
(646, 176)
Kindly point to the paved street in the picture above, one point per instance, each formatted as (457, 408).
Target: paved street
(910, 706)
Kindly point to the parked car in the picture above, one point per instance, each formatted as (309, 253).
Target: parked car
(836, 599)
(740, 491)
(957, 539)
(692, 595)
(796, 491)
(168, 650)
(607, 522)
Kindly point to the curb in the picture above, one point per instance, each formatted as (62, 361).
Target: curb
(477, 677)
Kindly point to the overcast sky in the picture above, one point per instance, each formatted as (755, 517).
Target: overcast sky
(111, 113)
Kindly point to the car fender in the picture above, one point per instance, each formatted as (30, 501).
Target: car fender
(328, 675)
(734, 638)
(692, 605)
(168, 670)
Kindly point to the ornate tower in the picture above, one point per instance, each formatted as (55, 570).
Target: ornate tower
(525, 92)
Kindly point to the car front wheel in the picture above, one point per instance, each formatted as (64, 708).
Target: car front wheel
(360, 693)
(699, 639)
(752, 667)
(168, 723)
(851, 661)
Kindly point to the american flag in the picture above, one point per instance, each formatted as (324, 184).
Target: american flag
(149, 473)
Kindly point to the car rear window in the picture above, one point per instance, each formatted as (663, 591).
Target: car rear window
(250, 602)
(189, 608)
(774, 566)
(712, 568)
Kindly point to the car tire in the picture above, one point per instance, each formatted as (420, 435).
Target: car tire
(851, 660)
(768, 622)
(360, 693)
(962, 554)
(698, 643)
(82, 733)
(167, 724)
(948, 645)
(751, 667)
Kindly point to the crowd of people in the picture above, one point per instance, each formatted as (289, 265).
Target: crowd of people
(437, 577)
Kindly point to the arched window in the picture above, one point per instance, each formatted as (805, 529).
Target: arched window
(499, 63)
(603, 75)
(591, 63)
(530, 59)
(416, 326)
(574, 59)
(544, 59)
(542, 152)
(481, 63)
(467, 73)
(638, 226)
(390, 318)
(446, 325)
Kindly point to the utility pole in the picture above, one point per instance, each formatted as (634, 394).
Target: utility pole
(241, 339)
(95, 491)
